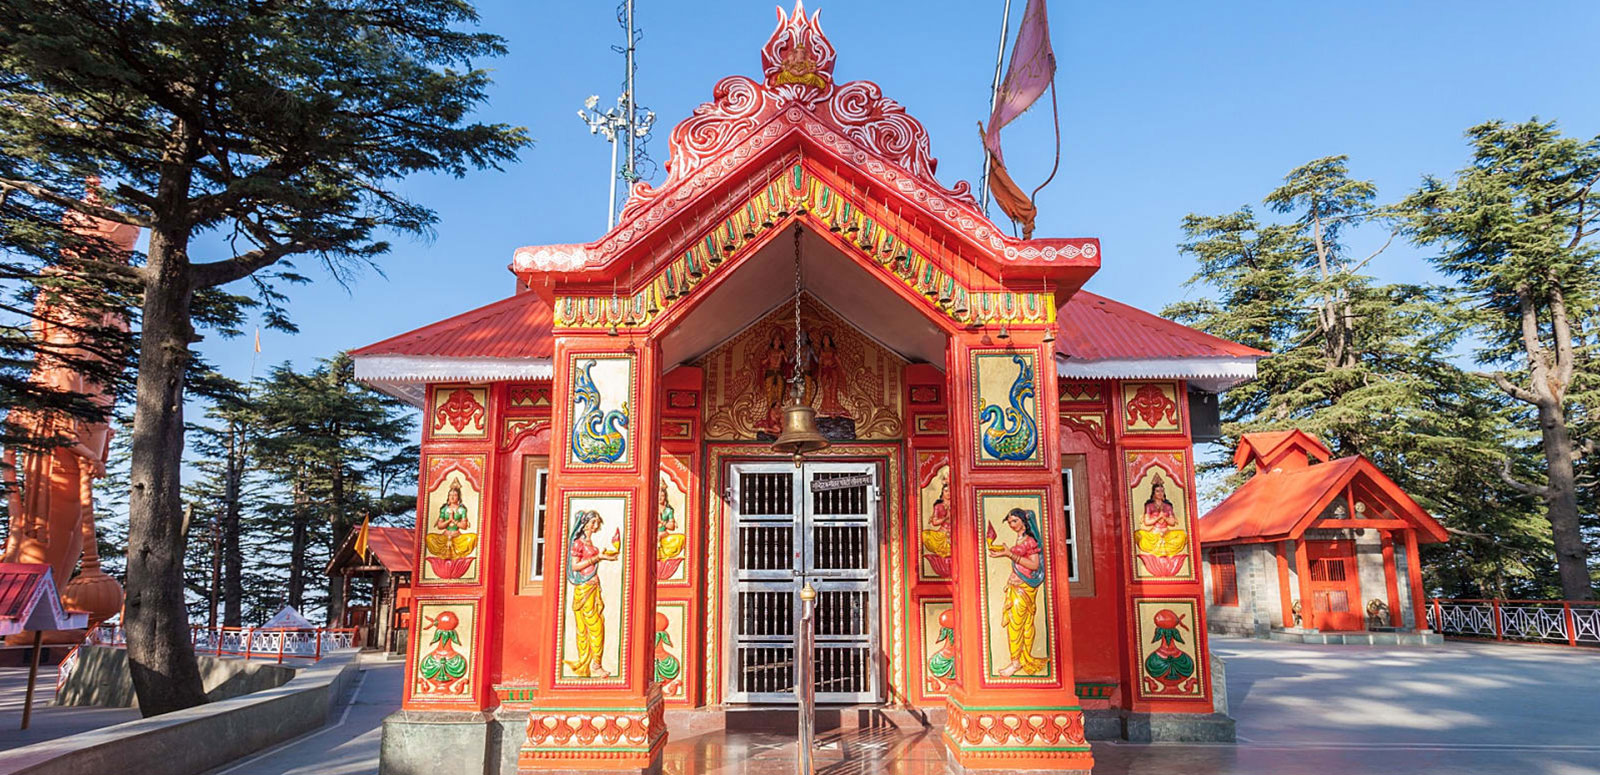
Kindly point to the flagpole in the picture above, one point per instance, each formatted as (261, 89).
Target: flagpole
(994, 99)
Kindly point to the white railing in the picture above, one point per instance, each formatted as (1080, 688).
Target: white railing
(1573, 622)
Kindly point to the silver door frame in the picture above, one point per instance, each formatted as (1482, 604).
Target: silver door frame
(804, 558)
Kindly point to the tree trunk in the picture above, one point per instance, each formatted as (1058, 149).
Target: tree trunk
(166, 676)
(1561, 503)
(339, 529)
(297, 553)
(232, 552)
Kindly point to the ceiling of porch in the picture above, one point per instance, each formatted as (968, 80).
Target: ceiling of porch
(766, 280)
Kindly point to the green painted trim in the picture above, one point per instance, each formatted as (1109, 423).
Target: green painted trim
(1050, 708)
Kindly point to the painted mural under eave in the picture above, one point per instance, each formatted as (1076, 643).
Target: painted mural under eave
(852, 381)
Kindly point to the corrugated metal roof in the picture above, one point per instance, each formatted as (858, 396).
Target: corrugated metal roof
(516, 327)
(394, 547)
(1094, 328)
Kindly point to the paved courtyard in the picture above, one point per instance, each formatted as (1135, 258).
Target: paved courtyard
(1462, 709)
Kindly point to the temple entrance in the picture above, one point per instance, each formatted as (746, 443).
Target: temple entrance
(791, 525)
(1335, 585)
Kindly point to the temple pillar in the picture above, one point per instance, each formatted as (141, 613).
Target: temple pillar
(1391, 578)
(596, 706)
(1414, 575)
(443, 724)
(1012, 706)
(1280, 553)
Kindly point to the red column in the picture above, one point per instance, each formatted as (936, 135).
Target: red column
(1280, 550)
(1302, 568)
(1002, 717)
(1391, 576)
(1414, 574)
(596, 706)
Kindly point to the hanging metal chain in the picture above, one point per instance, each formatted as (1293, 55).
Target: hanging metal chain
(795, 379)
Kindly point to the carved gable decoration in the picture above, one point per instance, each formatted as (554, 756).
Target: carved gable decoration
(846, 375)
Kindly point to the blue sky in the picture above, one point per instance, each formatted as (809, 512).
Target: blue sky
(1166, 109)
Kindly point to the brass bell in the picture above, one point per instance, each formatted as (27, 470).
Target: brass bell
(800, 434)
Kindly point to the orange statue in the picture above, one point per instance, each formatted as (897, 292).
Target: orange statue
(52, 520)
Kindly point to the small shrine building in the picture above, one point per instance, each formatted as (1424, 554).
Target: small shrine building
(1315, 550)
(385, 564)
(1000, 534)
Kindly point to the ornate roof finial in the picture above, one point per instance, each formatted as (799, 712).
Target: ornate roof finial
(798, 59)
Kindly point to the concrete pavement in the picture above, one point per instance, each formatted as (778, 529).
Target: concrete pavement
(1461, 709)
(49, 722)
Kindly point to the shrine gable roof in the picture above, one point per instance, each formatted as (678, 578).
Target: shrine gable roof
(1100, 338)
(1282, 504)
(28, 601)
(393, 547)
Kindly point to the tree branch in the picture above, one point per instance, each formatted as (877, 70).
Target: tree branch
(1519, 485)
(1507, 386)
(98, 211)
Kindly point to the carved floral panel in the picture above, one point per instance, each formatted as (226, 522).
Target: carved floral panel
(458, 412)
(1169, 659)
(1151, 407)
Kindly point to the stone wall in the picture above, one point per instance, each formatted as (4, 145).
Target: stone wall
(101, 678)
(1259, 608)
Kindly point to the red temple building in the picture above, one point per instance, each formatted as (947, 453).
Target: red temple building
(1337, 533)
(386, 563)
(1000, 533)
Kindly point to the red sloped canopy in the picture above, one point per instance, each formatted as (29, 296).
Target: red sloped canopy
(515, 327)
(1095, 328)
(394, 547)
(1280, 505)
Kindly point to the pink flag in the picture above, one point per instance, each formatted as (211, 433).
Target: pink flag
(1033, 65)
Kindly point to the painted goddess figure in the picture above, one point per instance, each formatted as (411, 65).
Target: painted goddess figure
(452, 541)
(1159, 534)
(588, 606)
(1022, 590)
(936, 539)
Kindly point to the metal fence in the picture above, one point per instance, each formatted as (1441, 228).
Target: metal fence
(1573, 622)
(250, 642)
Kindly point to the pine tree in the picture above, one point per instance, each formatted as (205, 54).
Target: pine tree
(1364, 365)
(1516, 228)
(282, 127)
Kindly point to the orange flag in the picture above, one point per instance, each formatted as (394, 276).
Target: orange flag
(361, 536)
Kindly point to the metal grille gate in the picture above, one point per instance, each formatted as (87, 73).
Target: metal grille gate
(790, 525)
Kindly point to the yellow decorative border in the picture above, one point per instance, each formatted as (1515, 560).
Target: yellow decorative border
(795, 194)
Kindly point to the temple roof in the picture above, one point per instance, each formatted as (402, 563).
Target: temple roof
(28, 601)
(1282, 504)
(1101, 338)
(1291, 449)
(508, 339)
(512, 339)
(394, 548)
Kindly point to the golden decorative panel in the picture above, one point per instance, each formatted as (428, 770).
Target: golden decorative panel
(844, 374)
